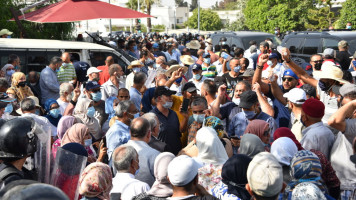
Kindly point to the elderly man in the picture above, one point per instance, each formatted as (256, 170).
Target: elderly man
(126, 163)
(135, 66)
(104, 74)
(140, 131)
(48, 80)
(110, 88)
(65, 92)
(161, 63)
(137, 89)
(15, 61)
(33, 81)
(66, 72)
(155, 124)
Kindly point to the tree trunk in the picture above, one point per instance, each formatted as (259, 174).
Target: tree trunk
(149, 19)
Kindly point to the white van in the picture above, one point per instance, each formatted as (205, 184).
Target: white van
(35, 54)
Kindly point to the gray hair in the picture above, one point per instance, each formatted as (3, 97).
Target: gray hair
(197, 101)
(140, 78)
(152, 119)
(122, 107)
(4, 83)
(56, 60)
(245, 83)
(28, 104)
(123, 156)
(64, 87)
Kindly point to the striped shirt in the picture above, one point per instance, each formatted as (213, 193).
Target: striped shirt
(66, 74)
(209, 72)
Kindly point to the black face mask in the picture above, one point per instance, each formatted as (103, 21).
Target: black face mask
(22, 84)
(318, 66)
(324, 87)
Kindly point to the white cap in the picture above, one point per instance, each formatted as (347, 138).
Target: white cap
(182, 170)
(296, 95)
(93, 70)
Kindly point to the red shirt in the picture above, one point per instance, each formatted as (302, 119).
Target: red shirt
(104, 75)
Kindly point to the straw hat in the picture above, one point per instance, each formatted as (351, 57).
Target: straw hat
(187, 59)
(330, 71)
(194, 44)
(135, 63)
(175, 68)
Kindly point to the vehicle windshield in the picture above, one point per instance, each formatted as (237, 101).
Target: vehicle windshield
(259, 39)
(352, 45)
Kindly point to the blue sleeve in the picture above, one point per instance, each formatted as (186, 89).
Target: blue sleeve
(51, 83)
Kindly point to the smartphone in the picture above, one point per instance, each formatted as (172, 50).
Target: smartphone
(185, 105)
(104, 141)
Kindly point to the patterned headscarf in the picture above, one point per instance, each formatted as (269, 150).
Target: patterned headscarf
(96, 181)
(216, 124)
(308, 191)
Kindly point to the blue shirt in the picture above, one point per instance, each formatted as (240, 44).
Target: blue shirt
(49, 84)
(81, 69)
(118, 134)
(281, 112)
(135, 97)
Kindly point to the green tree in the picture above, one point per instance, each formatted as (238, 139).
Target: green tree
(265, 15)
(61, 31)
(145, 6)
(181, 3)
(158, 28)
(239, 24)
(347, 14)
(193, 5)
(209, 20)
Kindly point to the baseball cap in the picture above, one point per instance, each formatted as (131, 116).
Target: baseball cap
(182, 170)
(273, 55)
(5, 32)
(343, 44)
(189, 87)
(313, 108)
(330, 71)
(196, 67)
(93, 70)
(265, 175)
(248, 99)
(92, 85)
(155, 45)
(163, 90)
(296, 95)
(248, 72)
(329, 52)
(347, 88)
(289, 72)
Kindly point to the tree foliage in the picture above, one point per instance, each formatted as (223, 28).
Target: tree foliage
(209, 20)
(320, 17)
(181, 3)
(239, 23)
(347, 14)
(193, 5)
(158, 28)
(145, 6)
(33, 30)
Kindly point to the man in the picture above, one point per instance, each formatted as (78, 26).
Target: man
(274, 68)
(104, 74)
(65, 92)
(244, 63)
(136, 66)
(161, 63)
(170, 132)
(198, 106)
(208, 91)
(4, 85)
(200, 54)
(155, 124)
(329, 56)
(33, 81)
(147, 60)
(140, 131)
(15, 61)
(171, 53)
(156, 51)
(187, 61)
(66, 72)
(251, 110)
(126, 163)
(316, 61)
(93, 74)
(296, 97)
(48, 80)
(92, 91)
(132, 49)
(348, 25)
(232, 76)
(80, 67)
(209, 50)
(6, 107)
(111, 87)
(278, 33)
(119, 132)
(123, 94)
(137, 89)
(219, 65)
(264, 49)
(209, 70)
(343, 56)
(5, 33)
(264, 177)
(197, 79)
(238, 53)
(248, 75)
(316, 136)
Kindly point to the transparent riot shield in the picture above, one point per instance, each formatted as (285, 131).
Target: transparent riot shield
(66, 172)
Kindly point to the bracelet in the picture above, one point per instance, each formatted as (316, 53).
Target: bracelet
(259, 67)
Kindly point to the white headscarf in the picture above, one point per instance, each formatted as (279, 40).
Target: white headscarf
(284, 150)
(210, 148)
(80, 112)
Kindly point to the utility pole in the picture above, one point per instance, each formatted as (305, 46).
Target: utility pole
(198, 16)
(110, 27)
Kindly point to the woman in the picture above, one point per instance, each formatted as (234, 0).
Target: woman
(307, 191)
(261, 129)
(63, 125)
(96, 182)
(286, 132)
(284, 149)
(234, 179)
(211, 155)
(53, 112)
(8, 70)
(251, 145)
(161, 188)
(19, 90)
(84, 113)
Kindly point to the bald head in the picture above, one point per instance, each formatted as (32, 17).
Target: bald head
(140, 128)
(234, 63)
(200, 52)
(66, 57)
(123, 157)
(109, 61)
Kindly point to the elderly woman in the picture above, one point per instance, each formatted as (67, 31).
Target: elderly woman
(19, 90)
(8, 70)
(84, 113)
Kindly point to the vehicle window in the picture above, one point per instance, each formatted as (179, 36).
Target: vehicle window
(259, 39)
(330, 43)
(4, 56)
(216, 39)
(352, 46)
(311, 46)
(97, 58)
(294, 44)
(236, 41)
(39, 59)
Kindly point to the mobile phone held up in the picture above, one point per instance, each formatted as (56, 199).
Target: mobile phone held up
(185, 105)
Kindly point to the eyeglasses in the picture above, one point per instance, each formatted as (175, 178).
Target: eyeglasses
(316, 61)
(289, 79)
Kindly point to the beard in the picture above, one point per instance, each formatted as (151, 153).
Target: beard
(69, 97)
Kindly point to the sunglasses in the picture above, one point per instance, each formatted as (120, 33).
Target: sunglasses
(289, 79)
(316, 61)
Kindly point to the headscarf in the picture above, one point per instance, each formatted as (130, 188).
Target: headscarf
(20, 92)
(161, 187)
(257, 127)
(308, 191)
(210, 148)
(80, 112)
(96, 181)
(286, 132)
(64, 124)
(47, 107)
(8, 78)
(251, 145)
(284, 149)
(75, 134)
(216, 124)
(234, 175)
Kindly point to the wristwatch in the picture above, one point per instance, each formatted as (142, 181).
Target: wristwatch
(259, 67)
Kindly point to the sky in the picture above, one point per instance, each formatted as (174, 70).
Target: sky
(203, 3)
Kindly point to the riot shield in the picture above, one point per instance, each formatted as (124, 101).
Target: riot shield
(66, 172)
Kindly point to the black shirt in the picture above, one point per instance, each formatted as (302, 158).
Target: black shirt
(81, 69)
(231, 82)
(343, 58)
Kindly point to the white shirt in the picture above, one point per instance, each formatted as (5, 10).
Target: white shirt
(128, 186)
(198, 84)
(108, 89)
(278, 70)
(331, 105)
(43, 122)
(218, 66)
(62, 105)
(129, 80)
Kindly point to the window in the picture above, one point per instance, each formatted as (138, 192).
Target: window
(97, 58)
(330, 43)
(294, 44)
(311, 46)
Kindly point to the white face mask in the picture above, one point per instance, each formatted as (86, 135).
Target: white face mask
(236, 100)
(168, 104)
(269, 63)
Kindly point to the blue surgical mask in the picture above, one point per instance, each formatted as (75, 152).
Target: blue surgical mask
(223, 43)
(302, 121)
(9, 36)
(197, 76)
(10, 72)
(249, 114)
(54, 112)
(88, 142)
(179, 80)
(275, 32)
(199, 117)
(137, 171)
(168, 104)
(269, 63)
(237, 69)
(9, 108)
(207, 60)
(91, 112)
(96, 96)
(348, 27)
(135, 48)
(136, 69)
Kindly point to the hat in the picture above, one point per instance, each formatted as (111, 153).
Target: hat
(92, 85)
(329, 52)
(163, 90)
(289, 72)
(265, 175)
(313, 108)
(330, 71)
(5, 98)
(248, 99)
(172, 62)
(175, 68)
(296, 95)
(209, 40)
(187, 60)
(309, 90)
(193, 44)
(182, 170)
(189, 87)
(343, 44)
(93, 70)
(205, 55)
(347, 88)
(196, 67)
(37, 104)
(5, 32)
(155, 46)
(273, 55)
(135, 63)
(248, 72)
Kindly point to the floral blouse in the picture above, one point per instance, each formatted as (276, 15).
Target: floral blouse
(209, 176)
(220, 192)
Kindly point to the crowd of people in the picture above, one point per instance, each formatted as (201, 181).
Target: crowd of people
(185, 120)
